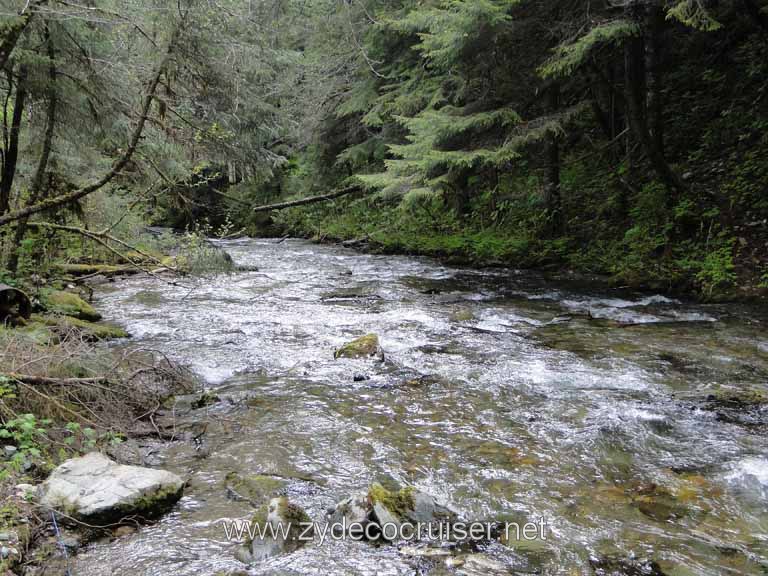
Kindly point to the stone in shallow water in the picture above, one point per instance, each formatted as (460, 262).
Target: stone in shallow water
(365, 347)
(95, 489)
(383, 507)
(283, 526)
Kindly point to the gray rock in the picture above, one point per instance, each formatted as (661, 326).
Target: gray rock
(427, 509)
(287, 533)
(25, 491)
(8, 537)
(381, 507)
(94, 487)
(482, 565)
(9, 452)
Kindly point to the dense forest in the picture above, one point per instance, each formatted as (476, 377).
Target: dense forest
(511, 253)
(622, 138)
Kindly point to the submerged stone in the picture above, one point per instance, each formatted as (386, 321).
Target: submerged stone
(256, 489)
(94, 489)
(462, 315)
(365, 347)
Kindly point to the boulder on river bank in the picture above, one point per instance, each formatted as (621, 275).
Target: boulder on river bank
(97, 490)
(69, 304)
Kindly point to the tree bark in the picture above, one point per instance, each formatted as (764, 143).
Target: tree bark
(42, 165)
(552, 197)
(306, 201)
(12, 153)
(654, 26)
(636, 101)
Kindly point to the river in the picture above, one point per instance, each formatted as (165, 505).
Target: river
(507, 396)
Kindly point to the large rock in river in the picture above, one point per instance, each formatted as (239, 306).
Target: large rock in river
(383, 507)
(365, 347)
(95, 489)
(280, 527)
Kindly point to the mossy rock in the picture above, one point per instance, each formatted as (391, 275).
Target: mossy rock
(178, 262)
(365, 347)
(398, 503)
(257, 488)
(90, 331)
(148, 298)
(69, 304)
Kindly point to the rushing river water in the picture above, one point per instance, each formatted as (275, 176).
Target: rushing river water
(509, 397)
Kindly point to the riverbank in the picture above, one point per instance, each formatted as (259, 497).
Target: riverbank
(373, 226)
(73, 384)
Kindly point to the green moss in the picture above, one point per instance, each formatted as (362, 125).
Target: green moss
(398, 503)
(291, 513)
(150, 505)
(35, 332)
(88, 269)
(259, 519)
(257, 488)
(89, 330)
(148, 298)
(69, 304)
(361, 348)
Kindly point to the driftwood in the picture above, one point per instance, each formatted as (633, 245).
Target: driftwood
(310, 200)
(97, 269)
(14, 303)
(44, 381)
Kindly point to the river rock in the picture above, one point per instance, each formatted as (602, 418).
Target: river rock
(380, 506)
(70, 304)
(95, 489)
(365, 347)
(284, 526)
(481, 565)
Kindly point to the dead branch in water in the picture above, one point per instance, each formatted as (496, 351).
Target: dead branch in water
(104, 239)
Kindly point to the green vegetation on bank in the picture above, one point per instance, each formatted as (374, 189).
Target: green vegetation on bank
(453, 168)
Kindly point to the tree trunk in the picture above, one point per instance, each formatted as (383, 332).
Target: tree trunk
(460, 197)
(636, 101)
(42, 165)
(119, 164)
(654, 25)
(12, 153)
(552, 197)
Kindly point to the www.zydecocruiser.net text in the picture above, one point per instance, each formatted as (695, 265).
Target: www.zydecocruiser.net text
(319, 532)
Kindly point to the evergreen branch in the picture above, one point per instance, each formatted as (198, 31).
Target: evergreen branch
(121, 163)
